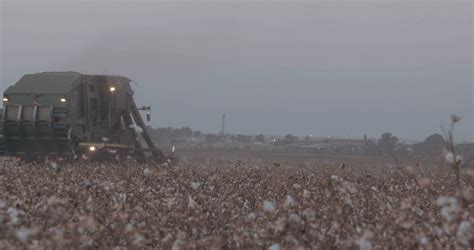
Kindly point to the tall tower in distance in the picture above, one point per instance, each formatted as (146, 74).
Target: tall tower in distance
(223, 124)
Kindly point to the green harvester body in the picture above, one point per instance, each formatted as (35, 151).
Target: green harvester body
(70, 114)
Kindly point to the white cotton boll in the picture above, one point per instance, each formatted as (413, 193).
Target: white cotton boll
(449, 207)
(87, 244)
(349, 187)
(465, 233)
(180, 241)
(294, 218)
(441, 201)
(177, 244)
(449, 158)
(129, 228)
(367, 234)
(424, 241)
(348, 201)
(417, 210)
(438, 231)
(147, 172)
(296, 186)
(446, 213)
(269, 206)
(246, 204)
(275, 247)
(22, 234)
(191, 202)
(138, 240)
(365, 244)
(306, 194)
(13, 213)
(58, 235)
(171, 203)
(450, 213)
(252, 216)
(453, 201)
(195, 185)
(335, 177)
(289, 201)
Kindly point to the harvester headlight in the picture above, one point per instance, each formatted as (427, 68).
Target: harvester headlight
(112, 89)
(5, 99)
(92, 148)
(63, 99)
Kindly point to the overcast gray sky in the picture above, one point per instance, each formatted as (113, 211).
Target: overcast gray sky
(340, 68)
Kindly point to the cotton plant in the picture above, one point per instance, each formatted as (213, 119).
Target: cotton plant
(209, 203)
(449, 152)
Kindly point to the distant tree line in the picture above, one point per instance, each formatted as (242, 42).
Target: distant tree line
(169, 134)
(214, 138)
(387, 144)
(172, 135)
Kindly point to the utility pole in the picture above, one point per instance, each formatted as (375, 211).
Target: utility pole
(223, 124)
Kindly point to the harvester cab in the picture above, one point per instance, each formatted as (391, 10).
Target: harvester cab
(69, 114)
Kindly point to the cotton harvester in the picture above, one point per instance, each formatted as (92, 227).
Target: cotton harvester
(71, 115)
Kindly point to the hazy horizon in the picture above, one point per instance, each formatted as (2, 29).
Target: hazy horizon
(326, 68)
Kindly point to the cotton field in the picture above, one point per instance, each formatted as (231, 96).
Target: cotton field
(213, 202)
